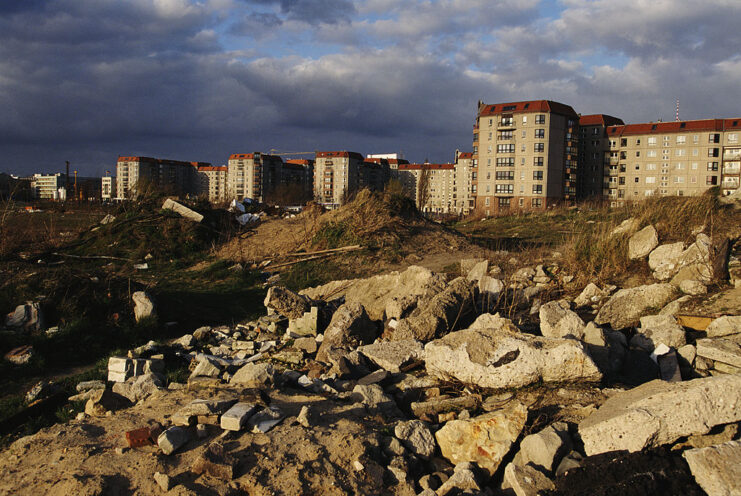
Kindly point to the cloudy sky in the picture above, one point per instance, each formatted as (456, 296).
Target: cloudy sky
(88, 80)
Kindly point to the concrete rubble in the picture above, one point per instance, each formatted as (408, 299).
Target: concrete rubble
(444, 394)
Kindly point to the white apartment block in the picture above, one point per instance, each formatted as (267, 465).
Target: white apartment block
(172, 177)
(107, 188)
(48, 186)
(336, 175)
(440, 189)
(679, 158)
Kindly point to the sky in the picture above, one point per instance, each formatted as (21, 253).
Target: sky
(89, 80)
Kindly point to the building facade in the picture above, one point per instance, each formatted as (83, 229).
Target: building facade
(253, 175)
(49, 187)
(173, 177)
(107, 188)
(336, 175)
(212, 183)
(526, 155)
(679, 158)
(593, 145)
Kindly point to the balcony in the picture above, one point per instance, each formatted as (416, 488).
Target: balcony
(507, 123)
(734, 154)
(731, 169)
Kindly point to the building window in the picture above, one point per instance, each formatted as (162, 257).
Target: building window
(505, 176)
(538, 175)
(712, 166)
(623, 141)
(487, 202)
(505, 161)
(504, 135)
(540, 133)
(536, 202)
(651, 180)
(504, 202)
(538, 161)
(504, 188)
(540, 119)
(681, 152)
(537, 189)
(733, 137)
(652, 141)
(622, 180)
(508, 148)
(539, 147)
(521, 202)
(678, 179)
(713, 138)
(524, 119)
(711, 180)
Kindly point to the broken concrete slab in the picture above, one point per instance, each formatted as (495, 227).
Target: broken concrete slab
(484, 440)
(350, 326)
(627, 306)
(143, 306)
(286, 302)
(26, 317)
(524, 480)
(305, 325)
(545, 449)
(501, 357)
(558, 321)
(182, 210)
(717, 469)
(724, 326)
(439, 315)
(266, 419)
(254, 375)
(664, 260)
(235, 419)
(661, 412)
(643, 242)
(172, 439)
(658, 329)
(416, 436)
(393, 355)
(726, 349)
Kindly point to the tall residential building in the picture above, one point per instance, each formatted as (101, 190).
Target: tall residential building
(107, 188)
(464, 199)
(253, 175)
(49, 186)
(336, 175)
(672, 158)
(212, 182)
(593, 144)
(440, 188)
(172, 177)
(297, 182)
(526, 155)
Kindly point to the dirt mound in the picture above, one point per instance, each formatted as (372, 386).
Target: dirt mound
(389, 226)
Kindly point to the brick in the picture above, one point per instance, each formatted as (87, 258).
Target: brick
(138, 437)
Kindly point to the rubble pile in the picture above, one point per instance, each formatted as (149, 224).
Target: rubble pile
(412, 383)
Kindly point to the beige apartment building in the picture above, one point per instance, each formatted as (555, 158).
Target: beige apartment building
(680, 158)
(107, 188)
(525, 155)
(336, 175)
(253, 175)
(593, 145)
(173, 177)
(212, 183)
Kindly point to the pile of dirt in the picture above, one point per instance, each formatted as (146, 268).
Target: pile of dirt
(388, 225)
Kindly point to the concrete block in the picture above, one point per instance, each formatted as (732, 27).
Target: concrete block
(237, 416)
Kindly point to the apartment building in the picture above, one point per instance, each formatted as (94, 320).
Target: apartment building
(336, 175)
(672, 158)
(174, 177)
(107, 188)
(49, 186)
(440, 188)
(297, 182)
(212, 183)
(464, 199)
(525, 155)
(253, 175)
(593, 145)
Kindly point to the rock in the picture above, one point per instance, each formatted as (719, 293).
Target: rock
(436, 406)
(201, 407)
(305, 325)
(400, 306)
(625, 227)
(659, 412)
(693, 288)
(375, 292)
(490, 287)
(143, 306)
(416, 436)
(724, 326)
(440, 315)
(502, 357)
(172, 439)
(182, 210)
(107, 219)
(307, 416)
(643, 242)
(103, 401)
(286, 302)
(570, 461)
(705, 261)
(484, 440)
(606, 348)
(215, 462)
(463, 481)
(26, 317)
(657, 329)
(523, 275)
(88, 385)
(558, 321)
(717, 469)
(526, 481)
(478, 271)
(627, 306)
(374, 377)
(467, 264)
(674, 307)
(164, 481)
(545, 449)
(206, 368)
(373, 397)
(202, 333)
(138, 388)
(664, 260)
(254, 375)
(307, 344)
(237, 416)
(590, 294)
(20, 355)
(669, 365)
(350, 326)
(266, 419)
(393, 355)
(41, 390)
(726, 349)
(186, 341)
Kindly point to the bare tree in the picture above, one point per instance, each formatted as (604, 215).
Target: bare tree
(423, 188)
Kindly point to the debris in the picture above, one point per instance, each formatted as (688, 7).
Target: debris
(26, 317)
(717, 469)
(266, 419)
(172, 439)
(164, 481)
(182, 210)
(416, 436)
(143, 306)
(393, 355)
(138, 437)
(643, 242)
(216, 462)
(558, 321)
(627, 306)
(237, 416)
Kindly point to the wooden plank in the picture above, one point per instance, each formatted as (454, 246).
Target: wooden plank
(696, 322)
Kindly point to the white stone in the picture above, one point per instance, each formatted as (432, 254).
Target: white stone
(416, 436)
(692, 287)
(717, 469)
(182, 210)
(642, 242)
(558, 321)
(664, 260)
(627, 306)
(173, 438)
(143, 306)
(392, 355)
(237, 416)
(724, 326)
(657, 329)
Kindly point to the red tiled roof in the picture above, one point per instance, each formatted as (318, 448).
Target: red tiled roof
(528, 106)
(465, 155)
(208, 168)
(300, 161)
(426, 166)
(235, 156)
(716, 125)
(600, 120)
(344, 154)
